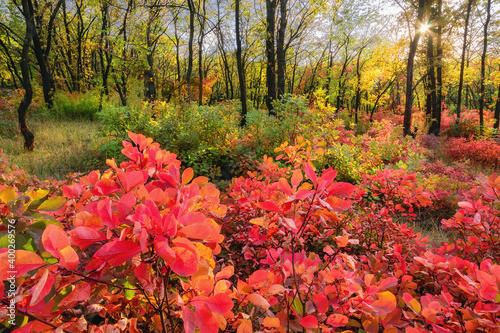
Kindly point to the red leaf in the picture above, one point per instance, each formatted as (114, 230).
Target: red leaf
(163, 250)
(189, 319)
(310, 173)
(117, 252)
(42, 288)
(85, 236)
(268, 205)
(220, 303)
(186, 257)
(284, 186)
(106, 187)
(54, 239)
(106, 213)
(309, 322)
(206, 321)
(125, 205)
(321, 302)
(134, 179)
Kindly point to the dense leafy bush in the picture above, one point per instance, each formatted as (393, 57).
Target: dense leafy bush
(485, 152)
(74, 106)
(144, 246)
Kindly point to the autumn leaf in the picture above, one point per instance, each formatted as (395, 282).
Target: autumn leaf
(309, 322)
(337, 320)
(259, 301)
(85, 236)
(52, 205)
(25, 262)
(117, 252)
(54, 239)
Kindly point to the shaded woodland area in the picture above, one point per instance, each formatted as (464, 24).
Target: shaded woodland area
(357, 56)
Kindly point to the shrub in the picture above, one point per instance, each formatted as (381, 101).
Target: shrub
(75, 106)
(144, 246)
(485, 152)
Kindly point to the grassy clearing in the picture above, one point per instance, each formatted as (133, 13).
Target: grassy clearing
(61, 147)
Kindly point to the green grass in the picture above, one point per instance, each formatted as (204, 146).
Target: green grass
(61, 147)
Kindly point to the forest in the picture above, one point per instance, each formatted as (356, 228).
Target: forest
(249, 166)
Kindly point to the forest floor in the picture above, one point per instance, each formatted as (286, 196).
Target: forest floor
(61, 147)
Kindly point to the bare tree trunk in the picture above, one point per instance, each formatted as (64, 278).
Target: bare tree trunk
(439, 70)
(241, 69)
(409, 69)
(431, 78)
(483, 68)
(190, 47)
(271, 58)
(201, 19)
(29, 138)
(462, 63)
(280, 49)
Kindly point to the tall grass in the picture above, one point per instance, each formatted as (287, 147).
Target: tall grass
(61, 147)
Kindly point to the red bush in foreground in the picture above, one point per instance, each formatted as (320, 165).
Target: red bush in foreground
(141, 248)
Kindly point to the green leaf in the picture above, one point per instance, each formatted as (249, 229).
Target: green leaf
(62, 294)
(297, 305)
(53, 204)
(129, 294)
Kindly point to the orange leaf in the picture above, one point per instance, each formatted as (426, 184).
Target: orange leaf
(259, 301)
(386, 302)
(68, 258)
(296, 178)
(245, 326)
(272, 322)
(187, 175)
(337, 320)
(225, 273)
(342, 241)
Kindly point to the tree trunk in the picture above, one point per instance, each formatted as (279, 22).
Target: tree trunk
(271, 58)
(190, 47)
(439, 70)
(280, 49)
(431, 94)
(483, 68)
(409, 69)
(462, 63)
(241, 69)
(48, 85)
(201, 19)
(29, 138)
(497, 113)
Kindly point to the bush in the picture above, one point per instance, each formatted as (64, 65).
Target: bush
(75, 106)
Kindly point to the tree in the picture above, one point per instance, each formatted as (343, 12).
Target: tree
(483, 67)
(462, 62)
(271, 57)
(241, 69)
(280, 49)
(409, 67)
(29, 138)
